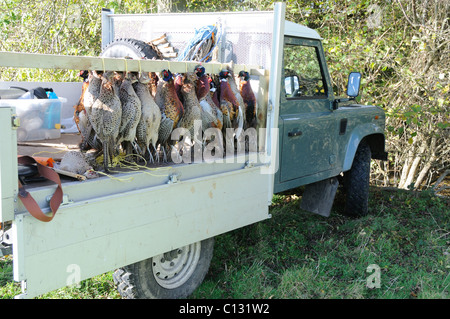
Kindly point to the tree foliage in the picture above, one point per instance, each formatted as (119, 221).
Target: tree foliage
(401, 47)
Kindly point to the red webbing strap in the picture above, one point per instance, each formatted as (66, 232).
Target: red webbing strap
(29, 202)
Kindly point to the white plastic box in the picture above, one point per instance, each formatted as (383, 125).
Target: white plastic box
(40, 119)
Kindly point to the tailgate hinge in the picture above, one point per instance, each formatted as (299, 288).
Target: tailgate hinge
(65, 199)
(173, 179)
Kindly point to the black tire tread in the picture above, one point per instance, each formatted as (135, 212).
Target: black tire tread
(140, 48)
(356, 182)
(136, 281)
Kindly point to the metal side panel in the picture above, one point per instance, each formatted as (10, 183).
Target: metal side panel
(8, 164)
(86, 239)
(274, 91)
(246, 37)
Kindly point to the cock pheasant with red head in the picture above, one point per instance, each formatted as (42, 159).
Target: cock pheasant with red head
(171, 109)
(211, 114)
(249, 98)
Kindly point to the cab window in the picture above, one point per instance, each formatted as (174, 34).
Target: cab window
(303, 76)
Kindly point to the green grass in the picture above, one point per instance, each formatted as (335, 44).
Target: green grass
(301, 255)
(296, 254)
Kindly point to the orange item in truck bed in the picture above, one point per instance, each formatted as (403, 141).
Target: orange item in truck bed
(46, 161)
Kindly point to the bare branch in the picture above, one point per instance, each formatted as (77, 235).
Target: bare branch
(414, 25)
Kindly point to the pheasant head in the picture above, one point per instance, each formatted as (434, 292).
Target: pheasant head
(199, 70)
(244, 76)
(166, 75)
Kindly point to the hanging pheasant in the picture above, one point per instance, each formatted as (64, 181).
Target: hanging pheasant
(149, 123)
(106, 115)
(249, 99)
(171, 109)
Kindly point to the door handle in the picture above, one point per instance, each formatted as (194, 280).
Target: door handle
(295, 133)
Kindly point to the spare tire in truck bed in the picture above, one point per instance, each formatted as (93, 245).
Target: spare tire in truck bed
(132, 48)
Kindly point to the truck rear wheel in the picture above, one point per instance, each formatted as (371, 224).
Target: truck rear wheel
(356, 182)
(172, 275)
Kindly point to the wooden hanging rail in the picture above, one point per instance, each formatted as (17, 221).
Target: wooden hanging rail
(50, 61)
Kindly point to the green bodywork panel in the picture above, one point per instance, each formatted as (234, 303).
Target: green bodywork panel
(316, 141)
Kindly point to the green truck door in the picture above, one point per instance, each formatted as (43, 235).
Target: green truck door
(308, 125)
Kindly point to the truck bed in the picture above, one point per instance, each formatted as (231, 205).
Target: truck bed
(54, 148)
(69, 142)
(57, 148)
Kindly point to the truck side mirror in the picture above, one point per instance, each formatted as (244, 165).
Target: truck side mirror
(354, 82)
(291, 84)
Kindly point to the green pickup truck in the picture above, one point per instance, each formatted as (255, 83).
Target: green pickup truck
(157, 229)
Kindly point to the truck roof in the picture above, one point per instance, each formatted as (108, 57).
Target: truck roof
(298, 30)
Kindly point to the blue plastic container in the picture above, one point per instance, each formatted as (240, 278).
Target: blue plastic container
(52, 119)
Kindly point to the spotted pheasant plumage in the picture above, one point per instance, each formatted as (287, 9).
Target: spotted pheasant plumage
(131, 111)
(90, 95)
(192, 108)
(106, 115)
(148, 126)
